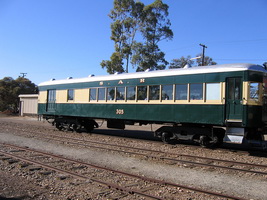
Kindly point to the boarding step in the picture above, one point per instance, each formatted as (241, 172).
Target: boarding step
(234, 135)
(233, 122)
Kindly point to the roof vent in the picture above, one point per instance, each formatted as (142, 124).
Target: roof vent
(148, 70)
(52, 79)
(69, 78)
(187, 66)
(91, 75)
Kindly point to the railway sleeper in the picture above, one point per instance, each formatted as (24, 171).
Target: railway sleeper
(204, 136)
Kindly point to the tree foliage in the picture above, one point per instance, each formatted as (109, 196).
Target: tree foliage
(207, 61)
(155, 28)
(132, 20)
(181, 62)
(10, 89)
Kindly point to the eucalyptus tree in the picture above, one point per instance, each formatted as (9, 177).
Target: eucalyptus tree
(126, 16)
(207, 61)
(155, 28)
(131, 20)
(181, 62)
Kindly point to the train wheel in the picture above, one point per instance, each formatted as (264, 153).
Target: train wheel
(59, 126)
(217, 140)
(204, 141)
(166, 137)
(76, 127)
(89, 127)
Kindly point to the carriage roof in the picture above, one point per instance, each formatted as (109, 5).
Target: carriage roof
(162, 73)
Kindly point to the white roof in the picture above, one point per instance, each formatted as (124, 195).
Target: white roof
(28, 95)
(161, 73)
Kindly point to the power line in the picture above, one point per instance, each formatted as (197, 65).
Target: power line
(218, 42)
(242, 59)
(237, 41)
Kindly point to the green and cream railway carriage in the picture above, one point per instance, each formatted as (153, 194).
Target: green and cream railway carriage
(203, 104)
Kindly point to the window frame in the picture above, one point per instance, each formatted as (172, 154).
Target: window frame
(117, 92)
(172, 93)
(98, 93)
(220, 93)
(92, 100)
(107, 94)
(146, 92)
(135, 94)
(70, 95)
(202, 93)
(187, 93)
(149, 93)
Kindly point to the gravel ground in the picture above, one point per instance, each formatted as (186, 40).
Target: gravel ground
(248, 187)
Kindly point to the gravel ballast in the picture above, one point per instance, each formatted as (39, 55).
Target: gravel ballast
(245, 187)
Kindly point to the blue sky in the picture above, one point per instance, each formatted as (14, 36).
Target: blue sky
(61, 38)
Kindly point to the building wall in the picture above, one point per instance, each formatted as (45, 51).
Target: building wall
(28, 104)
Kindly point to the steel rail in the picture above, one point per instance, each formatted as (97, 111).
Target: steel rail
(156, 151)
(174, 159)
(76, 175)
(128, 174)
(149, 150)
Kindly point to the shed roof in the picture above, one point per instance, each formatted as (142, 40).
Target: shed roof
(28, 96)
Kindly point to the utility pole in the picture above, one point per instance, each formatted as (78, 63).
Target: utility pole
(23, 74)
(203, 53)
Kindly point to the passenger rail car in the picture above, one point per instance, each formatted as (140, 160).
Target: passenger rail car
(208, 104)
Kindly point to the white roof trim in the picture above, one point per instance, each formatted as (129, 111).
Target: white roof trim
(161, 73)
(28, 95)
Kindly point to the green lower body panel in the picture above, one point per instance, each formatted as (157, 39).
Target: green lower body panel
(200, 114)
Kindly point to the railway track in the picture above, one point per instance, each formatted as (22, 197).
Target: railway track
(122, 184)
(172, 158)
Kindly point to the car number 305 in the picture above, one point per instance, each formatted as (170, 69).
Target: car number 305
(119, 111)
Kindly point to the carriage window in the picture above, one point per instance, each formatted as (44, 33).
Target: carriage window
(196, 91)
(154, 92)
(213, 91)
(92, 94)
(101, 94)
(254, 91)
(181, 92)
(130, 93)
(111, 94)
(70, 95)
(142, 93)
(120, 93)
(167, 92)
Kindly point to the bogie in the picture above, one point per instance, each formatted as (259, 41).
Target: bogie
(74, 124)
(205, 137)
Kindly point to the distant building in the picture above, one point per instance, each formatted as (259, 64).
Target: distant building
(28, 104)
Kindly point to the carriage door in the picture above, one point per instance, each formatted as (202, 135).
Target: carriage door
(51, 101)
(234, 107)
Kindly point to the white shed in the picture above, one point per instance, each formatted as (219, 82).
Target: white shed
(28, 104)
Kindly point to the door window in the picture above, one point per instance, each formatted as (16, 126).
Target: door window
(234, 88)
